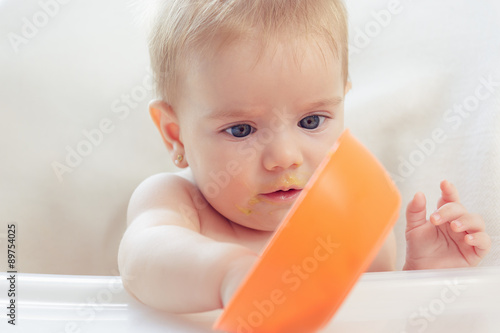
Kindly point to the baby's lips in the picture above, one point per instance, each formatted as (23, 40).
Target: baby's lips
(283, 188)
(285, 183)
(282, 196)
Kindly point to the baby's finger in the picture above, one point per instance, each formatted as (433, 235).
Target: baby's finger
(481, 241)
(416, 212)
(449, 193)
(447, 213)
(470, 223)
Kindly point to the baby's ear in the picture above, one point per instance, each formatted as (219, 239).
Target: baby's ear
(348, 86)
(166, 121)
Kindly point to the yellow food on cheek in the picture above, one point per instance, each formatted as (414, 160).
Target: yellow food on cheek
(251, 202)
(245, 211)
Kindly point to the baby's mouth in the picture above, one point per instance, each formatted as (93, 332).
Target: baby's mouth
(282, 196)
(284, 190)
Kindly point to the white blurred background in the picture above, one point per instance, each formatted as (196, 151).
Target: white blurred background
(85, 69)
(76, 138)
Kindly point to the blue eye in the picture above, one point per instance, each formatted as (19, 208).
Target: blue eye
(311, 122)
(240, 131)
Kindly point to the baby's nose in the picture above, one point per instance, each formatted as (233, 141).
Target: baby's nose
(283, 152)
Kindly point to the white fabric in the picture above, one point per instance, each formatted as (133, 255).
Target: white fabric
(70, 76)
(422, 62)
(77, 67)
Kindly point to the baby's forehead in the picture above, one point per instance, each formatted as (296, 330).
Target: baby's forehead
(260, 50)
(245, 78)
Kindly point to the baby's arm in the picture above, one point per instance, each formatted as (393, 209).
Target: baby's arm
(164, 260)
(452, 237)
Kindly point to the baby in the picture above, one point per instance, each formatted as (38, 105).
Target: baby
(251, 99)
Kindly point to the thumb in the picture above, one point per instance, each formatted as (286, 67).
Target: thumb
(416, 214)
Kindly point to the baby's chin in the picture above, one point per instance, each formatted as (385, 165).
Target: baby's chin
(270, 224)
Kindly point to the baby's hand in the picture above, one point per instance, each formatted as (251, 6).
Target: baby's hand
(239, 269)
(451, 238)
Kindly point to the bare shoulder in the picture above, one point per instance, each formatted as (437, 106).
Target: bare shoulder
(166, 198)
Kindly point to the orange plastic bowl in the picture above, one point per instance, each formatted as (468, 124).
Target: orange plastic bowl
(327, 240)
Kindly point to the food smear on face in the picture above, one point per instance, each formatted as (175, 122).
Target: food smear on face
(287, 181)
(253, 201)
(246, 211)
(290, 180)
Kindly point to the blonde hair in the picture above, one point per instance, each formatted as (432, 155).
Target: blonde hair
(184, 27)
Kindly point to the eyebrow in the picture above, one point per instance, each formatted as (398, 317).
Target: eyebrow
(334, 101)
(246, 112)
(231, 113)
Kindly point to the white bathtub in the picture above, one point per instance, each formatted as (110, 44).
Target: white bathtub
(464, 300)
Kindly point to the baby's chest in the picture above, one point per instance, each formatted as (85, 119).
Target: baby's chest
(218, 228)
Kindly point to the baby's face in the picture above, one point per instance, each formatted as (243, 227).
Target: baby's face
(255, 131)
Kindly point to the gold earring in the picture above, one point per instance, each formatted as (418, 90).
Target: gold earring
(179, 159)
